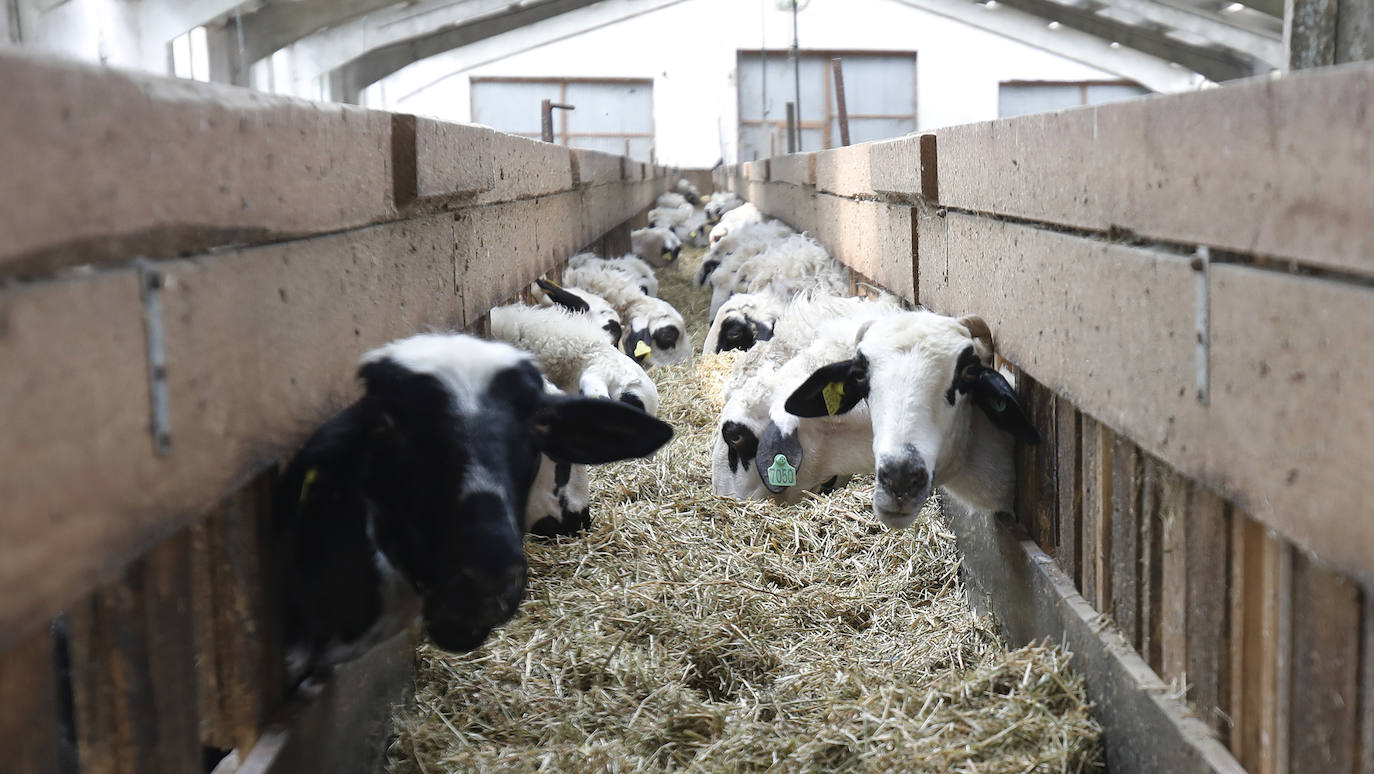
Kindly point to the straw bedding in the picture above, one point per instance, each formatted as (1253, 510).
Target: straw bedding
(691, 632)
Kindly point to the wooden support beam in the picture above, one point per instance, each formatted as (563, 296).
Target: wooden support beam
(1323, 730)
(1207, 536)
(1069, 509)
(1126, 548)
(28, 708)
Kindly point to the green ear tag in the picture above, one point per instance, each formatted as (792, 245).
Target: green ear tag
(310, 476)
(780, 473)
(642, 349)
(834, 395)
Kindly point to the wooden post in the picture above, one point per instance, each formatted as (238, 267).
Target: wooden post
(28, 712)
(837, 68)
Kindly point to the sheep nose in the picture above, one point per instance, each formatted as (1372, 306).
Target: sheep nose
(665, 338)
(904, 477)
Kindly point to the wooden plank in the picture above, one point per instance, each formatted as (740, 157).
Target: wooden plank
(1207, 536)
(1276, 190)
(28, 707)
(1366, 710)
(1126, 549)
(1044, 516)
(239, 617)
(1323, 732)
(1102, 516)
(1260, 680)
(1151, 564)
(1146, 728)
(280, 167)
(133, 669)
(1173, 590)
(1088, 456)
(1069, 510)
(262, 344)
(1283, 386)
(1028, 499)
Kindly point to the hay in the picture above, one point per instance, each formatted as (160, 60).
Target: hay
(687, 631)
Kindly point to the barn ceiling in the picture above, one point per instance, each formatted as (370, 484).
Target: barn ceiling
(1219, 39)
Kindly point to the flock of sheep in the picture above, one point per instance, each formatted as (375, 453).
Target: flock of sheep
(416, 499)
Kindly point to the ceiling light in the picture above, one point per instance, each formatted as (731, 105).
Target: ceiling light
(1234, 7)
(1115, 44)
(990, 5)
(1054, 25)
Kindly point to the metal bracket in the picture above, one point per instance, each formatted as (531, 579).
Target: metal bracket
(150, 292)
(1201, 263)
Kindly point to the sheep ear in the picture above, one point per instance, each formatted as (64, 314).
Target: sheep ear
(994, 395)
(831, 390)
(591, 431)
(563, 298)
(773, 444)
(982, 336)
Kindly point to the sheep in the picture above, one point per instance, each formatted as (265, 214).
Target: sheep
(583, 302)
(822, 451)
(688, 191)
(559, 497)
(670, 216)
(742, 321)
(659, 246)
(720, 203)
(574, 355)
(409, 500)
(744, 215)
(656, 333)
(941, 414)
(743, 243)
(693, 231)
(784, 268)
(629, 262)
(670, 199)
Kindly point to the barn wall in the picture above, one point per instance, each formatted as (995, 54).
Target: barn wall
(189, 275)
(1182, 287)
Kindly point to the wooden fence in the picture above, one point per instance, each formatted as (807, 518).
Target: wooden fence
(1184, 284)
(187, 276)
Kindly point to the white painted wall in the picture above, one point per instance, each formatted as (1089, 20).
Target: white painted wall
(131, 34)
(689, 49)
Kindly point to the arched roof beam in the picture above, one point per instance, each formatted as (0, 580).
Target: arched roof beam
(277, 25)
(1267, 49)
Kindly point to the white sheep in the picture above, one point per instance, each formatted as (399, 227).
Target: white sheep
(574, 355)
(821, 451)
(783, 268)
(671, 199)
(658, 245)
(579, 301)
(719, 203)
(559, 498)
(744, 215)
(942, 416)
(670, 216)
(688, 190)
(742, 321)
(630, 263)
(655, 333)
(744, 243)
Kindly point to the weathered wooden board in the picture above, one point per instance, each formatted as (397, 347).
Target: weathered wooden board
(238, 617)
(1275, 167)
(1283, 387)
(1323, 731)
(1103, 459)
(1173, 590)
(1125, 556)
(1151, 564)
(1207, 536)
(1261, 626)
(1366, 762)
(133, 669)
(28, 707)
(1145, 727)
(1091, 480)
(1068, 468)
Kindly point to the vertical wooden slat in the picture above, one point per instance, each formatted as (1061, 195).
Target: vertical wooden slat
(1088, 458)
(133, 669)
(1125, 507)
(1326, 662)
(1027, 482)
(1260, 680)
(239, 613)
(1207, 536)
(1068, 468)
(1151, 563)
(1047, 478)
(1366, 710)
(28, 707)
(1173, 584)
(1102, 516)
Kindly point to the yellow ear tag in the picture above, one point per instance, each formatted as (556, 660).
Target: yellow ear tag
(834, 395)
(310, 476)
(667, 255)
(642, 349)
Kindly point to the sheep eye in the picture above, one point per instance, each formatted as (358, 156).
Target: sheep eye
(999, 405)
(970, 373)
(859, 377)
